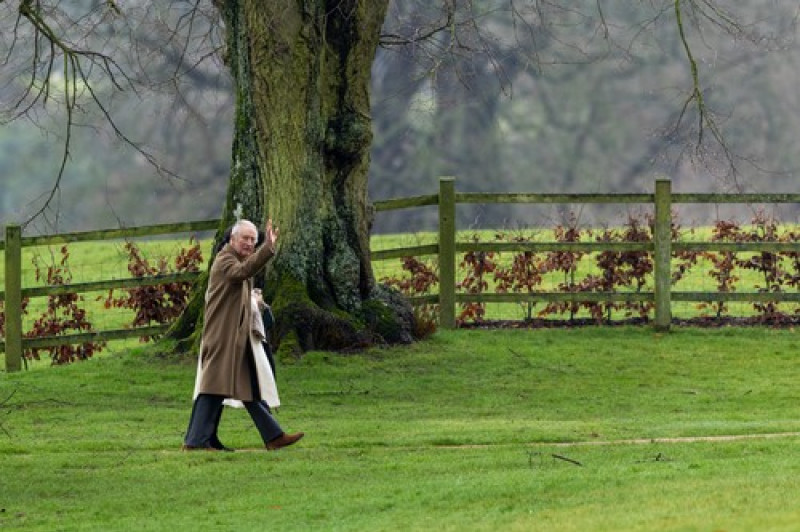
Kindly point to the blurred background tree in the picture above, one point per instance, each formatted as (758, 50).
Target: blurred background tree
(535, 96)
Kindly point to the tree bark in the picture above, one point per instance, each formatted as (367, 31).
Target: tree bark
(300, 157)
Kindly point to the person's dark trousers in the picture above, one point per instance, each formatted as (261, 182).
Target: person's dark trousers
(206, 411)
(259, 410)
(214, 441)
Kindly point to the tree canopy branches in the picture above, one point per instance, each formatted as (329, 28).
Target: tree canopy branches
(543, 91)
(68, 56)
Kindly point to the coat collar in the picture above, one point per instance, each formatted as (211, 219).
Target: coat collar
(228, 249)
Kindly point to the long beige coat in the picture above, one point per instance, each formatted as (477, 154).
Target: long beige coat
(266, 379)
(227, 323)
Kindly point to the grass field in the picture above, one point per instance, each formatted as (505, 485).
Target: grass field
(601, 429)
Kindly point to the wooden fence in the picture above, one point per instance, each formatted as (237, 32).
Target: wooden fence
(662, 248)
(14, 292)
(447, 248)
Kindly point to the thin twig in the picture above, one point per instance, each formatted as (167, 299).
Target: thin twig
(566, 459)
(6, 400)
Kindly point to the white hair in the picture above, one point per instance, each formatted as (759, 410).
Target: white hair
(242, 223)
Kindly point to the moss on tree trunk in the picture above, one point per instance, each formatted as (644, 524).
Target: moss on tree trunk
(300, 156)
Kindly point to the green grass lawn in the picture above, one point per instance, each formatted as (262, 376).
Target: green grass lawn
(555, 430)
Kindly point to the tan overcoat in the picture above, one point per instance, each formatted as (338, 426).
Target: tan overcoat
(266, 378)
(227, 323)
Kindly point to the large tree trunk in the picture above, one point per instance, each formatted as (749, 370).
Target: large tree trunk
(300, 156)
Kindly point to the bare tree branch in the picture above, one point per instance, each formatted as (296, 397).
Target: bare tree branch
(65, 62)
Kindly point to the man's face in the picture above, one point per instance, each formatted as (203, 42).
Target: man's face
(244, 241)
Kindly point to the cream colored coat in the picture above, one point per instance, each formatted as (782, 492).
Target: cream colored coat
(227, 324)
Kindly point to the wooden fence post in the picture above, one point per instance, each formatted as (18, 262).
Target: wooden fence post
(13, 298)
(662, 240)
(447, 253)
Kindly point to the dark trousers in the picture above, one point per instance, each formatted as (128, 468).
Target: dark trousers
(207, 412)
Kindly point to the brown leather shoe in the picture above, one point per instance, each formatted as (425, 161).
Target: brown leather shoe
(185, 447)
(284, 440)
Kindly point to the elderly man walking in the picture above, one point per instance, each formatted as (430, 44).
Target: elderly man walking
(226, 356)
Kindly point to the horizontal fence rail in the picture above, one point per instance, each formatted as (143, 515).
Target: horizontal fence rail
(446, 249)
